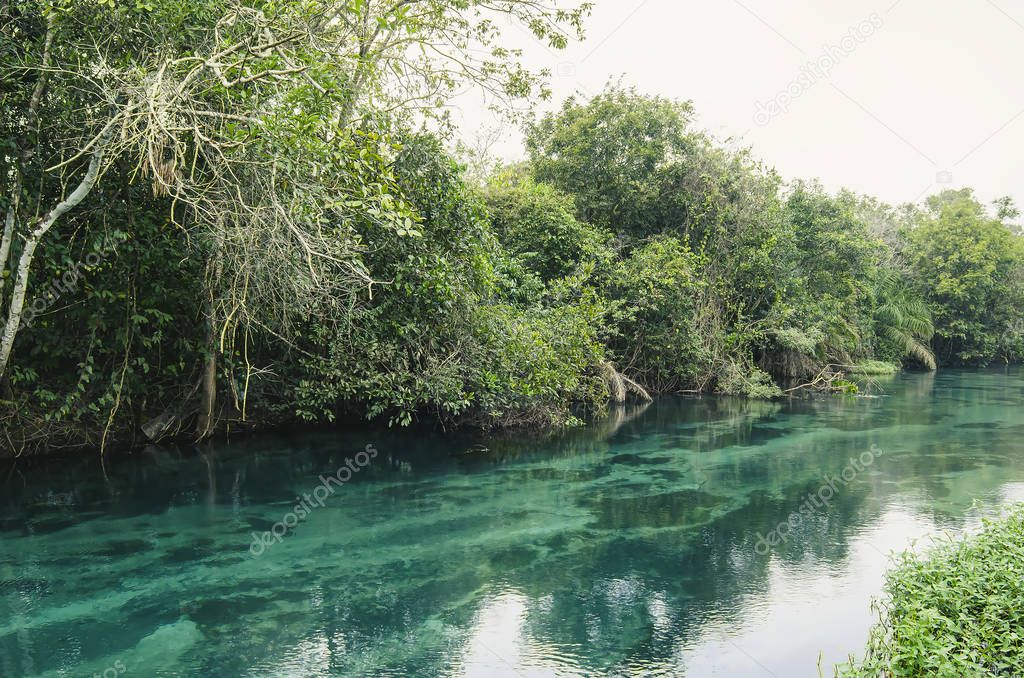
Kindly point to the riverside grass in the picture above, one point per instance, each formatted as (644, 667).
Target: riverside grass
(874, 368)
(955, 611)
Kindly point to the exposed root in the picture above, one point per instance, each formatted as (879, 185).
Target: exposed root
(636, 389)
(619, 385)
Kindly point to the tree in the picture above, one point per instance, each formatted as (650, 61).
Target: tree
(666, 320)
(970, 268)
(443, 337)
(413, 55)
(242, 116)
(833, 268)
(903, 322)
(606, 153)
(216, 108)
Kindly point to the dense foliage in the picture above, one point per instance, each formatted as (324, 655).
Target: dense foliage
(223, 214)
(955, 612)
(457, 329)
(968, 266)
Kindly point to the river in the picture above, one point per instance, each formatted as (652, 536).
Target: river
(696, 537)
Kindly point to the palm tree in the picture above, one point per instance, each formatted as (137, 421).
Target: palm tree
(902, 318)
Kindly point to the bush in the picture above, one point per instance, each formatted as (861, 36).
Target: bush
(748, 381)
(534, 366)
(958, 611)
(661, 327)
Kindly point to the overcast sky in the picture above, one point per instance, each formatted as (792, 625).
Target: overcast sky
(905, 97)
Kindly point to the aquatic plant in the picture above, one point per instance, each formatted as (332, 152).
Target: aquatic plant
(955, 611)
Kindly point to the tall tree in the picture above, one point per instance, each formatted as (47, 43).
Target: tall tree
(607, 153)
(970, 268)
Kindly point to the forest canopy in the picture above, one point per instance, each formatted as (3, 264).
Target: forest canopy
(224, 214)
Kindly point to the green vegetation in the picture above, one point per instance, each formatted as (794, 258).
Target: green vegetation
(222, 215)
(874, 368)
(968, 266)
(955, 612)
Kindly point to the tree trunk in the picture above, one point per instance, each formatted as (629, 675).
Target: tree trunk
(208, 380)
(8, 235)
(7, 239)
(208, 396)
(10, 330)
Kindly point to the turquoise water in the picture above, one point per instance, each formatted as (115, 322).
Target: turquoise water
(649, 544)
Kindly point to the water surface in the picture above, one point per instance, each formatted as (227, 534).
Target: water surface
(659, 542)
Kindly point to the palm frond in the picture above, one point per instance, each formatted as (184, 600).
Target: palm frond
(922, 352)
(903, 318)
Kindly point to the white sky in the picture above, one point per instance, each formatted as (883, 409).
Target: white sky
(931, 98)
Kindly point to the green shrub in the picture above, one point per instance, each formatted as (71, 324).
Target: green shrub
(747, 380)
(955, 612)
(535, 365)
(660, 327)
(535, 223)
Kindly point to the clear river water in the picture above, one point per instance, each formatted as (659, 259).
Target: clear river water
(694, 537)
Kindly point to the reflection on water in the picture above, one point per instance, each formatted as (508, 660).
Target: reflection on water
(628, 548)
